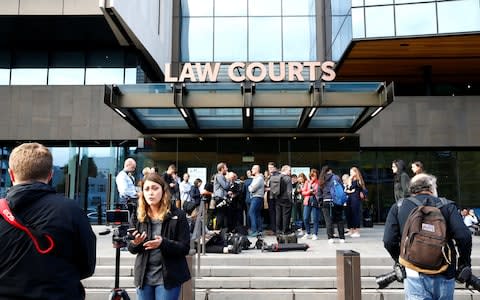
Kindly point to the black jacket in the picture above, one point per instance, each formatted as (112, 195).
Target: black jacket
(174, 247)
(27, 274)
(285, 196)
(456, 230)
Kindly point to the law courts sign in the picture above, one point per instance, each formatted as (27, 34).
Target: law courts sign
(254, 72)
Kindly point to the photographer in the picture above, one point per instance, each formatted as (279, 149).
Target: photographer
(423, 187)
(221, 187)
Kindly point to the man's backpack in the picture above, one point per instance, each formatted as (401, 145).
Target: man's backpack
(339, 197)
(275, 186)
(424, 245)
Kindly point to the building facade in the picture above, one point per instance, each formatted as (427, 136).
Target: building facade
(99, 83)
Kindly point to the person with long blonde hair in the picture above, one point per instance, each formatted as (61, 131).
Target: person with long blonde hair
(355, 190)
(161, 241)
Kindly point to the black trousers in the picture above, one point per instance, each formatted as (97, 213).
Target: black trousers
(283, 212)
(272, 215)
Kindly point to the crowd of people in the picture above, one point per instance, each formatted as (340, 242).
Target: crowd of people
(162, 207)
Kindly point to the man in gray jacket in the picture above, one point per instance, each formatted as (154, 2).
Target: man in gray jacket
(221, 191)
(257, 191)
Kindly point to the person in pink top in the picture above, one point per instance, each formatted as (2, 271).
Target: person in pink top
(311, 204)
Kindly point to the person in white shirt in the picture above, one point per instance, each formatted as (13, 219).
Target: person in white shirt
(127, 191)
(185, 188)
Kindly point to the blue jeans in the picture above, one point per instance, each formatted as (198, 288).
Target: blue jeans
(425, 287)
(307, 210)
(158, 292)
(255, 214)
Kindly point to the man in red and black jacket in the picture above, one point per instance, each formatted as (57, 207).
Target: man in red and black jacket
(25, 273)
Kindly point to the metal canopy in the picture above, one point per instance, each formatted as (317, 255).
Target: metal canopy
(189, 109)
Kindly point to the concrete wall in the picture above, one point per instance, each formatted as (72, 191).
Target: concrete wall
(425, 122)
(59, 113)
(150, 23)
(50, 7)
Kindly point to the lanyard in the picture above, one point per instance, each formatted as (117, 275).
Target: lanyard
(10, 218)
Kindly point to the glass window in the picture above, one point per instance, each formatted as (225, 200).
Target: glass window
(130, 75)
(458, 16)
(65, 76)
(106, 58)
(298, 7)
(197, 8)
(377, 2)
(264, 8)
(356, 3)
(358, 23)
(96, 163)
(265, 40)
(299, 31)
(197, 39)
(230, 8)
(276, 117)
(30, 59)
(379, 21)
(410, 1)
(208, 118)
(415, 19)
(4, 76)
(340, 7)
(230, 39)
(67, 59)
(29, 77)
(104, 76)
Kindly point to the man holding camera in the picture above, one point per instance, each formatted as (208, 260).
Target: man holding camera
(419, 285)
(221, 195)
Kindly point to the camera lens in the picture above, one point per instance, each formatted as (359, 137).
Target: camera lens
(384, 280)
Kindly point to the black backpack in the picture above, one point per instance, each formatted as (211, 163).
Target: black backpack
(275, 186)
(424, 244)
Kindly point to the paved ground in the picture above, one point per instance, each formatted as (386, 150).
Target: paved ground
(368, 245)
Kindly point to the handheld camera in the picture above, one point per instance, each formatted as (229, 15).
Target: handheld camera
(397, 274)
(120, 220)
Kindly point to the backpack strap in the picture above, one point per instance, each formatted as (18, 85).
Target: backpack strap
(439, 204)
(10, 218)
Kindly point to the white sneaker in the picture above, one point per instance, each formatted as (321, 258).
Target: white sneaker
(314, 237)
(305, 236)
(331, 241)
(342, 241)
(355, 235)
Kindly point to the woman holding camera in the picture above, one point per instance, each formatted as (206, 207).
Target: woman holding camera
(161, 241)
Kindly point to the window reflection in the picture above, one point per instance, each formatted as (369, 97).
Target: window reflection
(379, 21)
(197, 8)
(299, 31)
(264, 8)
(298, 7)
(29, 77)
(415, 19)
(357, 3)
(130, 75)
(358, 23)
(230, 8)
(65, 76)
(95, 166)
(197, 39)
(4, 76)
(104, 76)
(230, 39)
(458, 16)
(265, 44)
(378, 2)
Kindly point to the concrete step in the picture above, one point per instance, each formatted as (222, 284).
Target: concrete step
(110, 271)
(285, 294)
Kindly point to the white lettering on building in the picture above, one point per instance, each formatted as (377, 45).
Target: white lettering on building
(255, 72)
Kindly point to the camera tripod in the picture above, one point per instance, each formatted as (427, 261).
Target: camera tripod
(119, 239)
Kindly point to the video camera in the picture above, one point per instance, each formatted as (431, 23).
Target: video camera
(397, 274)
(223, 201)
(465, 276)
(120, 219)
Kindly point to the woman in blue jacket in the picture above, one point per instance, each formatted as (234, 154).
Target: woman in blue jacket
(161, 242)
